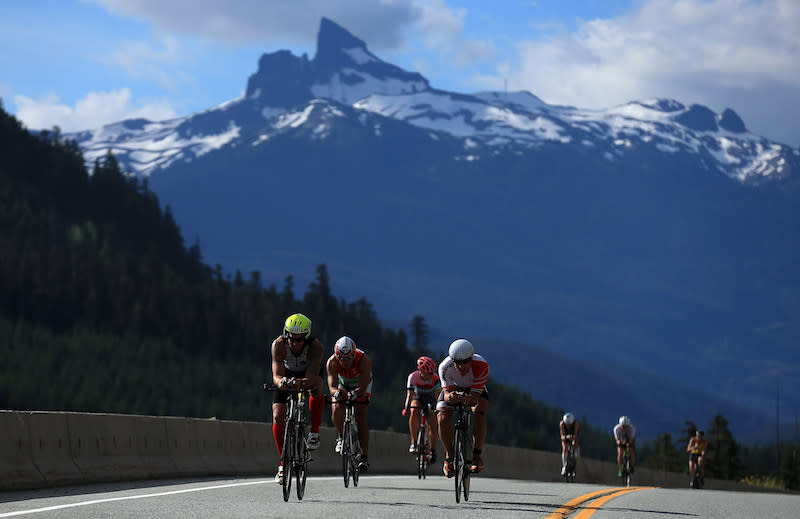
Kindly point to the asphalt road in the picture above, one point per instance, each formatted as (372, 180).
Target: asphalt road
(389, 497)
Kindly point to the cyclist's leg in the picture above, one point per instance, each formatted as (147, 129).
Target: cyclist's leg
(444, 419)
(479, 431)
(362, 404)
(700, 460)
(317, 402)
(632, 453)
(413, 420)
(278, 422)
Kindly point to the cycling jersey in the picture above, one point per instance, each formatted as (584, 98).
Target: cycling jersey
(624, 435)
(297, 363)
(348, 378)
(420, 386)
(473, 381)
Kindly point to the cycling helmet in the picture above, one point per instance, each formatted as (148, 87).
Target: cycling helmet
(345, 348)
(624, 420)
(426, 365)
(297, 323)
(699, 433)
(461, 349)
(569, 418)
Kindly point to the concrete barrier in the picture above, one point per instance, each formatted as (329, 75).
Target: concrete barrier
(44, 449)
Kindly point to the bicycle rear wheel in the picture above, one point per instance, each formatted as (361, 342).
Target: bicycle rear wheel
(287, 459)
(301, 459)
(346, 451)
(355, 454)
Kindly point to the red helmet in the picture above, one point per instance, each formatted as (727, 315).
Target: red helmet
(345, 348)
(426, 365)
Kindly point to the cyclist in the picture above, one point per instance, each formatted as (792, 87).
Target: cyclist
(625, 434)
(296, 364)
(568, 427)
(350, 369)
(463, 371)
(422, 389)
(697, 453)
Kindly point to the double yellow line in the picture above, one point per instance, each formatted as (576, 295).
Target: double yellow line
(573, 505)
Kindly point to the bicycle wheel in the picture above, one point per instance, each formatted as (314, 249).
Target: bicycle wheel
(301, 460)
(346, 450)
(355, 454)
(459, 462)
(626, 464)
(421, 453)
(287, 459)
(465, 445)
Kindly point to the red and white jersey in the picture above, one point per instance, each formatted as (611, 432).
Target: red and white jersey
(420, 386)
(474, 380)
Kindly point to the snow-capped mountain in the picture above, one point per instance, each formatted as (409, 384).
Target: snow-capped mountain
(653, 235)
(286, 90)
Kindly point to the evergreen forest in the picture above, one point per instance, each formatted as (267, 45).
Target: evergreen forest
(105, 308)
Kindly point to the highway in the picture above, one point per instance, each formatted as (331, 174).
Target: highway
(383, 496)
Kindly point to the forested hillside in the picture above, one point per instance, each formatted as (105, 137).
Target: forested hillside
(105, 309)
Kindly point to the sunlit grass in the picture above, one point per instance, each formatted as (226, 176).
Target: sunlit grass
(764, 482)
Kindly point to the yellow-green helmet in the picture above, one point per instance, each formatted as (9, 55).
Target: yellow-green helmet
(297, 323)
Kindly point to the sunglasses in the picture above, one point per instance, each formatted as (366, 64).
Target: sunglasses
(463, 361)
(296, 338)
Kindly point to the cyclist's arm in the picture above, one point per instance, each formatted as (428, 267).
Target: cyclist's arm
(409, 398)
(314, 361)
(364, 375)
(332, 368)
(278, 352)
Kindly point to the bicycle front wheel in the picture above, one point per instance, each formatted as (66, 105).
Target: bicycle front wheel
(467, 455)
(355, 454)
(459, 463)
(301, 460)
(346, 450)
(287, 459)
(422, 463)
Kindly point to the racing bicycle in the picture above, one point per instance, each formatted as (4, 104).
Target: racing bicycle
(462, 448)
(626, 464)
(423, 443)
(351, 449)
(697, 481)
(295, 455)
(569, 473)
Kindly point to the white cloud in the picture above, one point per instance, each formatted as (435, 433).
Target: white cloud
(442, 29)
(380, 23)
(159, 62)
(721, 53)
(93, 111)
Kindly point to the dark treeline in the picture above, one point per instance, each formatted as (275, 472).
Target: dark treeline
(103, 308)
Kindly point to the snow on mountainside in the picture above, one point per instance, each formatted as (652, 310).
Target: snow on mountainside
(287, 88)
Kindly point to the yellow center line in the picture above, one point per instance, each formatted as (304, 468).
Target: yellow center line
(570, 506)
(595, 505)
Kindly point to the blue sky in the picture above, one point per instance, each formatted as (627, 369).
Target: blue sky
(80, 64)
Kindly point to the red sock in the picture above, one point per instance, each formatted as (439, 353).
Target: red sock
(277, 433)
(317, 406)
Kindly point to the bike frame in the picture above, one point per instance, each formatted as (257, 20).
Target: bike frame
(462, 449)
(295, 456)
(626, 465)
(351, 449)
(423, 442)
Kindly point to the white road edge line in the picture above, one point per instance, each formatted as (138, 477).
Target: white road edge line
(139, 496)
(158, 494)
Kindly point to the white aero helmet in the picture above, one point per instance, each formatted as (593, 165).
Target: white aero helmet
(461, 349)
(569, 418)
(345, 348)
(624, 420)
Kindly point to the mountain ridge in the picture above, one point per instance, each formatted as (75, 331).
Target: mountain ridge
(655, 231)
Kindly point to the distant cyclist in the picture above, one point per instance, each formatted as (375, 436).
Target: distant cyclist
(463, 371)
(568, 427)
(350, 369)
(296, 364)
(697, 454)
(422, 389)
(625, 434)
